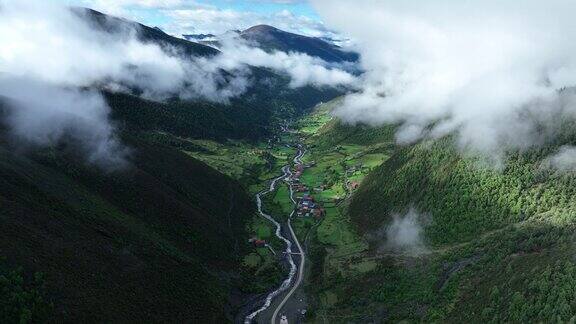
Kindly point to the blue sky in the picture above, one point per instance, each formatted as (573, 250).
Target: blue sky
(213, 16)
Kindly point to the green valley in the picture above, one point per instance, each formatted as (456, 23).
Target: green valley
(369, 162)
(497, 244)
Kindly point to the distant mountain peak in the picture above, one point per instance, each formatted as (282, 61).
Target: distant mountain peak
(261, 28)
(270, 38)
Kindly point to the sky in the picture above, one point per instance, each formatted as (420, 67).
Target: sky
(179, 17)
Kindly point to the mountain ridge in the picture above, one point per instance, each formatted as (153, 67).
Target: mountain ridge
(272, 38)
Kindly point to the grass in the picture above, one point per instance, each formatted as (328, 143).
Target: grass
(282, 198)
(239, 160)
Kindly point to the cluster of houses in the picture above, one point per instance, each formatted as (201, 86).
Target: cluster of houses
(307, 207)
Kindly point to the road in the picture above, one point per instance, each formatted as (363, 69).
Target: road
(278, 299)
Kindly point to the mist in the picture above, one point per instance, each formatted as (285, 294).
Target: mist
(49, 52)
(302, 69)
(40, 114)
(404, 234)
(487, 71)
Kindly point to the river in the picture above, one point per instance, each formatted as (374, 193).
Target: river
(287, 288)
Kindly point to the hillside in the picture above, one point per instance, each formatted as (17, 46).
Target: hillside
(497, 244)
(168, 220)
(271, 38)
(112, 24)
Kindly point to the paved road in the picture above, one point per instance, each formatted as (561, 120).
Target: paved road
(276, 300)
(301, 267)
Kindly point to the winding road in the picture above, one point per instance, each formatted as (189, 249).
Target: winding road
(291, 240)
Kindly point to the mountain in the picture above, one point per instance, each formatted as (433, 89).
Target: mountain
(435, 235)
(494, 243)
(112, 24)
(268, 98)
(271, 38)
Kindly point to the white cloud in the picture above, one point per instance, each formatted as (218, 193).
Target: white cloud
(302, 69)
(42, 114)
(48, 51)
(487, 70)
(281, 1)
(53, 45)
(563, 160)
(207, 19)
(404, 234)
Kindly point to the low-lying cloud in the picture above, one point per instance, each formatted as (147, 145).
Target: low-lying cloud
(42, 114)
(302, 69)
(50, 51)
(485, 70)
(563, 160)
(405, 234)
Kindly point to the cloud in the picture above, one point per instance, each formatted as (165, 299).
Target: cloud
(281, 1)
(486, 70)
(52, 44)
(49, 51)
(301, 68)
(405, 234)
(124, 7)
(42, 114)
(563, 160)
(208, 19)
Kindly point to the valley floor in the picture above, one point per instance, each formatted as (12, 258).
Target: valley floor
(498, 245)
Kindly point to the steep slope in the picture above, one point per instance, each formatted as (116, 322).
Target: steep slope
(270, 38)
(482, 244)
(157, 242)
(250, 117)
(499, 243)
(112, 24)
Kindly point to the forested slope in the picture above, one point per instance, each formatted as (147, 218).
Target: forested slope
(499, 241)
(159, 241)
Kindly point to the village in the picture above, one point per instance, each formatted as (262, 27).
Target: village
(306, 204)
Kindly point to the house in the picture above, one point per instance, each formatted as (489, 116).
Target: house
(257, 242)
(260, 243)
(354, 185)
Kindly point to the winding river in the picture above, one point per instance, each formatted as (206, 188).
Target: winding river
(287, 283)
